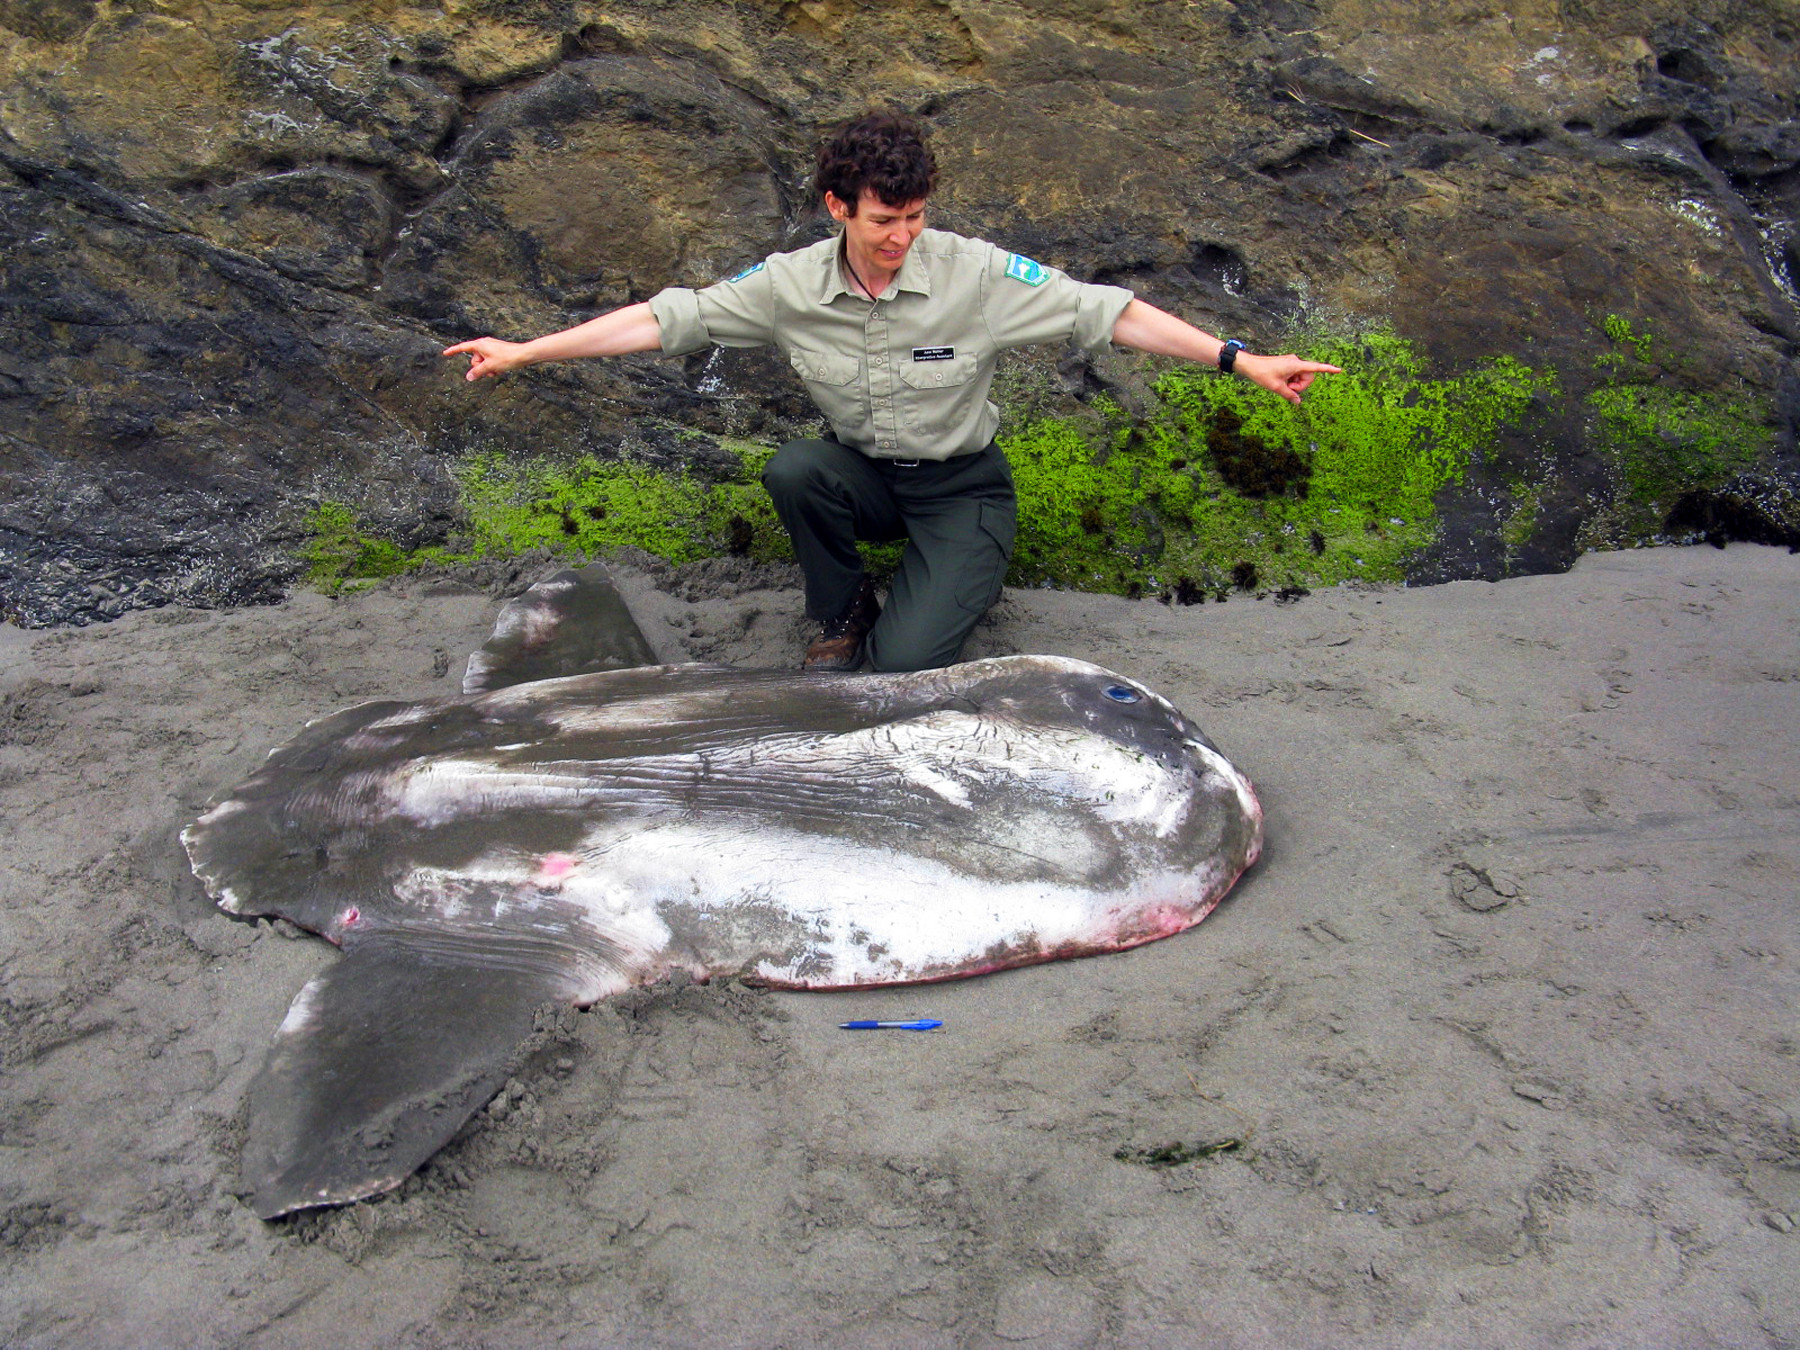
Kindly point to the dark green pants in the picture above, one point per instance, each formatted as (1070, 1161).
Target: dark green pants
(958, 518)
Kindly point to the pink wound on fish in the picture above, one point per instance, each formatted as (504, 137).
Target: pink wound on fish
(554, 867)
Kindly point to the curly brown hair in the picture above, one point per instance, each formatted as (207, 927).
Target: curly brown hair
(883, 152)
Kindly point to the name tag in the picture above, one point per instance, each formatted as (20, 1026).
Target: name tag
(934, 353)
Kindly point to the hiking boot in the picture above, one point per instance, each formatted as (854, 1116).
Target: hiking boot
(839, 643)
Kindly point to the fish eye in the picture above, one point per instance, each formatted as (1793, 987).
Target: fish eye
(1122, 693)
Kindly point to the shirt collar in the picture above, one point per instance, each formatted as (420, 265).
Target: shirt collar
(913, 275)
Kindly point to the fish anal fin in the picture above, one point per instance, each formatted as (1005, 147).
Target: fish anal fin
(381, 1059)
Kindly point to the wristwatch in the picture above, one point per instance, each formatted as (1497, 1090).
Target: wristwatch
(1228, 355)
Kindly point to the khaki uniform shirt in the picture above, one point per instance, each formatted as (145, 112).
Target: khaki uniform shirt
(904, 376)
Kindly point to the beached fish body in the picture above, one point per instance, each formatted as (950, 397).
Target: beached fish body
(565, 839)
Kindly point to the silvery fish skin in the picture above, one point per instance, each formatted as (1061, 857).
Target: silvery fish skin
(813, 835)
(565, 839)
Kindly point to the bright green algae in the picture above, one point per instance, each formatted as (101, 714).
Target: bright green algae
(589, 506)
(580, 507)
(1663, 441)
(1218, 485)
(1133, 508)
(339, 553)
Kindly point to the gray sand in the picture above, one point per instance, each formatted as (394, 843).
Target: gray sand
(1503, 1024)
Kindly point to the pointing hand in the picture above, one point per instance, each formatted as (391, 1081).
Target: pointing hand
(489, 356)
(1286, 375)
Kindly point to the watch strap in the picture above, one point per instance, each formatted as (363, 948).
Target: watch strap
(1228, 355)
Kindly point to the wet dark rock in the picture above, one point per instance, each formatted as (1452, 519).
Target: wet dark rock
(235, 240)
(47, 20)
(1750, 508)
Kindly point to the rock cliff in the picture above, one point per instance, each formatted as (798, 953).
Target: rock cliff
(235, 237)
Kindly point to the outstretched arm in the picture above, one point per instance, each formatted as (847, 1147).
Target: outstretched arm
(1148, 329)
(632, 329)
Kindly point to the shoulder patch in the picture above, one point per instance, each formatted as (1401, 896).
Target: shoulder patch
(749, 271)
(1021, 268)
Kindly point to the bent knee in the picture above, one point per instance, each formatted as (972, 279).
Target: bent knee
(889, 663)
(895, 652)
(794, 468)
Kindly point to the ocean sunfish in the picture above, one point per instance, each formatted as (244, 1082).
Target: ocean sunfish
(566, 838)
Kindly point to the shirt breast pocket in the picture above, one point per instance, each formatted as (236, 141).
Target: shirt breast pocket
(941, 395)
(829, 368)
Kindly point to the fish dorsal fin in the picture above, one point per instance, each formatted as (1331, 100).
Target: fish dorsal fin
(573, 623)
(381, 1059)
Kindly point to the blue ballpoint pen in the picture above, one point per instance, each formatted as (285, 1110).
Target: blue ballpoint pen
(923, 1024)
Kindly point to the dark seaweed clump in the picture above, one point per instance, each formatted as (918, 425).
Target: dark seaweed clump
(1251, 465)
(1175, 1153)
(742, 536)
(1187, 592)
